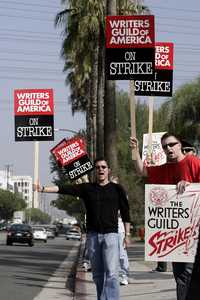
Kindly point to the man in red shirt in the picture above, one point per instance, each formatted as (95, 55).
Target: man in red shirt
(180, 170)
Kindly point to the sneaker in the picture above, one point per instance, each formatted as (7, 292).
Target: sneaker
(158, 270)
(86, 266)
(123, 281)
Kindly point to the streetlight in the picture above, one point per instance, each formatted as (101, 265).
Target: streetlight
(65, 129)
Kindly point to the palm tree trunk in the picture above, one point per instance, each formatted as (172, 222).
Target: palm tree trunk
(110, 128)
(100, 95)
(93, 102)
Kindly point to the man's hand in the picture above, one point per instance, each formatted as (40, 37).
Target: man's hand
(126, 242)
(181, 185)
(37, 187)
(134, 144)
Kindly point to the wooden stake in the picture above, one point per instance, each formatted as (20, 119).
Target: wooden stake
(151, 103)
(132, 103)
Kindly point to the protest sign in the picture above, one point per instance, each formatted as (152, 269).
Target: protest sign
(130, 51)
(34, 115)
(157, 155)
(171, 223)
(161, 83)
(71, 154)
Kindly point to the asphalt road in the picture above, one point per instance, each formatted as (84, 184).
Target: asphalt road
(26, 272)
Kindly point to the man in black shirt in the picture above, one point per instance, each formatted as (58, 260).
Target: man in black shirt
(102, 200)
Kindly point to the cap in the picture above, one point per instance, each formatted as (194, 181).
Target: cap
(187, 147)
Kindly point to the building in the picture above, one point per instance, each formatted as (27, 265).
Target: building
(23, 185)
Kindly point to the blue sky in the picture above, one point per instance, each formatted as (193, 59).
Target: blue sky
(30, 58)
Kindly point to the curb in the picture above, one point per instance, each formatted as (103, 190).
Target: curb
(79, 286)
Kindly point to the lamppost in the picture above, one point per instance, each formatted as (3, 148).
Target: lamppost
(65, 129)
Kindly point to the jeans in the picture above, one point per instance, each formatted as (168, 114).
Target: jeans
(86, 251)
(123, 257)
(104, 258)
(182, 274)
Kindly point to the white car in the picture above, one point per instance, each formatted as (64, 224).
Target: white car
(39, 233)
(73, 234)
(50, 233)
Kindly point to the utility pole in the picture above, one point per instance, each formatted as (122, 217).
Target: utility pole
(8, 168)
(36, 173)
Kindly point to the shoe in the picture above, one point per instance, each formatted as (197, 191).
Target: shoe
(158, 270)
(123, 281)
(86, 266)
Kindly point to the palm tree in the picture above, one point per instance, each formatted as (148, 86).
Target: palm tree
(80, 51)
(83, 51)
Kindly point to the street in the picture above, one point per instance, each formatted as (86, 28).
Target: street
(26, 272)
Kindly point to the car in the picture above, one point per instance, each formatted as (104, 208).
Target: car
(20, 233)
(73, 234)
(50, 233)
(40, 233)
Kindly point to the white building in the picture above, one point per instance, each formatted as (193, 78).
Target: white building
(18, 183)
(23, 185)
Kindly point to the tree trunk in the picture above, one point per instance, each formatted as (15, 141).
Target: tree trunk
(110, 128)
(93, 102)
(100, 95)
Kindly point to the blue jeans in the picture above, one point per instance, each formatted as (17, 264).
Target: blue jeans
(123, 257)
(104, 258)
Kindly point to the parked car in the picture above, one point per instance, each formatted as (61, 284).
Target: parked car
(20, 233)
(73, 234)
(40, 233)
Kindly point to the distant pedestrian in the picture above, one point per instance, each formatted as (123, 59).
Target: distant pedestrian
(123, 256)
(188, 148)
(161, 267)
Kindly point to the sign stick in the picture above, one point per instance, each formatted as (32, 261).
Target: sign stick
(151, 103)
(132, 113)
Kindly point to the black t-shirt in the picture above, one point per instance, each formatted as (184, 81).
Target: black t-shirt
(102, 203)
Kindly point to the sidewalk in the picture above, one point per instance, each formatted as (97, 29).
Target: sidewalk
(143, 284)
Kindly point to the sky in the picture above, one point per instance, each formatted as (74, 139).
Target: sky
(30, 58)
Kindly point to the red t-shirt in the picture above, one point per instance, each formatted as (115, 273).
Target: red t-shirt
(187, 169)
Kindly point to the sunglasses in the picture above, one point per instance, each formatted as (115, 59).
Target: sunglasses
(169, 145)
(101, 167)
(186, 150)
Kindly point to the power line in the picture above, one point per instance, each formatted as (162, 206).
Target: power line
(22, 69)
(31, 78)
(27, 10)
(27, 40)
(176, 9)
(28, 60)
(177, 25)
(27, 17)
(26, 31)
(178, 32)
(21, 51)
(27, 4)
(178, 19)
